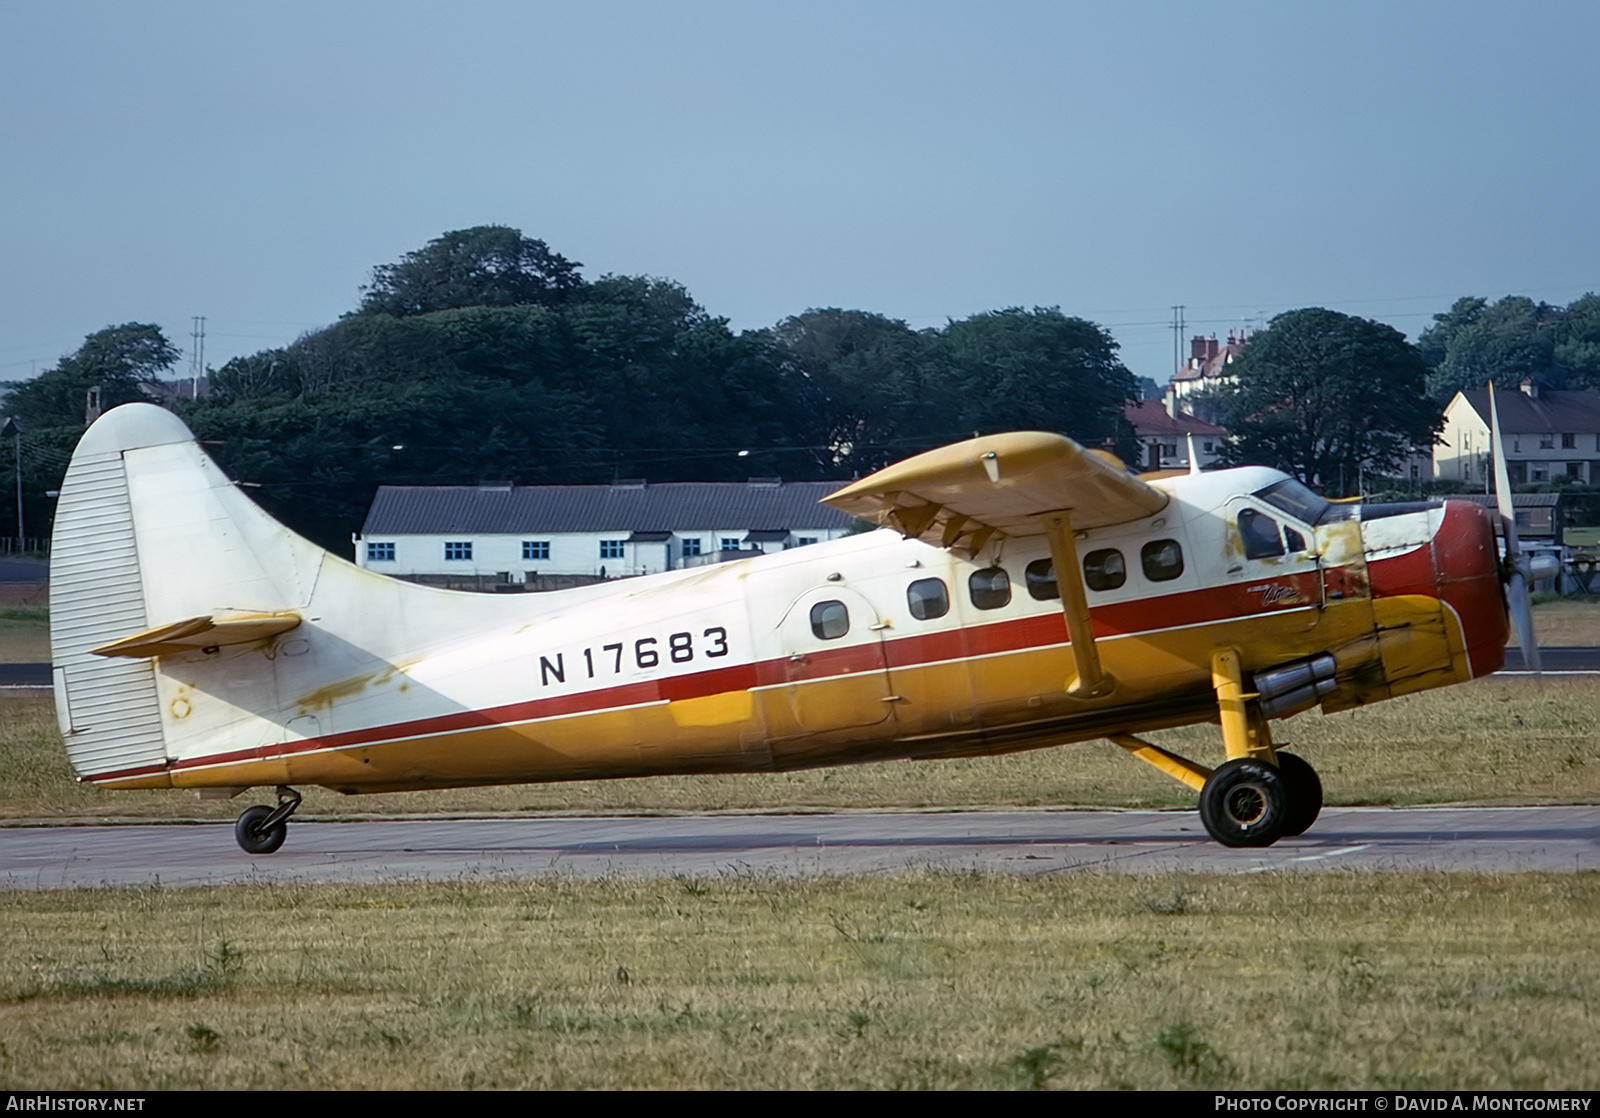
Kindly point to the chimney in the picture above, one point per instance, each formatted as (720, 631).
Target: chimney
(91, 405)
(1530, 387)
(1171, 401)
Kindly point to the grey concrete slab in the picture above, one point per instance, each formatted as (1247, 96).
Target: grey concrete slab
(1457, 840)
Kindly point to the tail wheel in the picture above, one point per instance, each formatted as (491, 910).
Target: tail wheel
(254, 838)
(1305, 793)
(1245, 802)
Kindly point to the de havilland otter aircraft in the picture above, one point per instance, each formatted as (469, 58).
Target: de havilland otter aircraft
(1024, 592)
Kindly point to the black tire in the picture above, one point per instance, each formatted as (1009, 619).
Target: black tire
(1245, 802)
(251, 838)
(1305, 793)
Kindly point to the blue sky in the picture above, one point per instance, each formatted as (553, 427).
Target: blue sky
(252, 162)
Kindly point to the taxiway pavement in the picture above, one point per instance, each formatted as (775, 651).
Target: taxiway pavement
(1454, 840)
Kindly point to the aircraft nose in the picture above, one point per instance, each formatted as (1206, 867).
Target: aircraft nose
(1447, 553)
(1467, 560)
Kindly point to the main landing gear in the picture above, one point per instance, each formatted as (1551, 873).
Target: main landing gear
(1251, 802)
(1260, 794)
(262, 829)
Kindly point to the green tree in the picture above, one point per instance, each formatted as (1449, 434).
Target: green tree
(1326, 396)
(485, 266)
(1477, 341)
(1576, 354)
(1042, 370)
(120, 360)
(869, 389)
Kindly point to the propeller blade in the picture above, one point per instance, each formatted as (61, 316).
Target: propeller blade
(1502, 480)
(1521, 604)
(1519, 568)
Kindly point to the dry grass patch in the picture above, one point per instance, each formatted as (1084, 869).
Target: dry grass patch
(1496, 741)
(24, 634)
(1566, 622)
(920, 981)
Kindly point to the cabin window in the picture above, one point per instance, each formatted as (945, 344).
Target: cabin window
(1040, 576)
(1105, 569)
(611, 549)
(928, 598)
(1260, 534)
(1296, 541)
(458, 549)
(990, 588)
(380, 553)
(536, 549)
(1162, 560)
(830, 620)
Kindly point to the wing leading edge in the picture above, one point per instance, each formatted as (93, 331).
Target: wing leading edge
(966, 494)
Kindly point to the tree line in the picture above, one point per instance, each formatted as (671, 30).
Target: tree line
(487, 355)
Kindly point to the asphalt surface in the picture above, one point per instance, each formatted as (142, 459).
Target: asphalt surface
(24, 570)
(1453, 840)
(1556, 660)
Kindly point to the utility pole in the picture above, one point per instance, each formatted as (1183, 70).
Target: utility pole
(197, 356)
(13, 426)
(1178, 336)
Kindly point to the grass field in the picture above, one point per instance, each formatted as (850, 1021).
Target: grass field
(1566, 622)
(925, 980)
(914, 981)
(24, 634)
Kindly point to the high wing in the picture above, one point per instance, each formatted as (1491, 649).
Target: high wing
(964, 494)
(1026, 483)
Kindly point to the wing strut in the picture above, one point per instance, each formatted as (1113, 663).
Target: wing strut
(1092, 681)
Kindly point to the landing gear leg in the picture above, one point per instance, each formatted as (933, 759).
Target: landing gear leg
(262, 829)
(1247, 801)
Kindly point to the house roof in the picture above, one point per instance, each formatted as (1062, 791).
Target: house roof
(1556, 411)
(1150, 418)
(632, 508)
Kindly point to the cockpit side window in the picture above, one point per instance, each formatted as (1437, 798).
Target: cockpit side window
(1291, 497)
(1260, 535)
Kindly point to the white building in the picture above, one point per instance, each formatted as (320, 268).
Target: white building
(549, 536)
(1164, 432)
(1207, 367)
(1548, 434)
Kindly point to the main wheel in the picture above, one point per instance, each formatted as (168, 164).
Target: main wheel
(251, 838)
(1245, 802)
(1305, 793)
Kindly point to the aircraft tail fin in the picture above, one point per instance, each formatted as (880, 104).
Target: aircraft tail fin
(153, 543)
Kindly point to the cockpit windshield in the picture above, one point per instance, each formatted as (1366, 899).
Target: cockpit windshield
(1302, 504)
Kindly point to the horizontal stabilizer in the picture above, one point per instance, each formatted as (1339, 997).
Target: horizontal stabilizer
(966, 494)
(199, 632)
